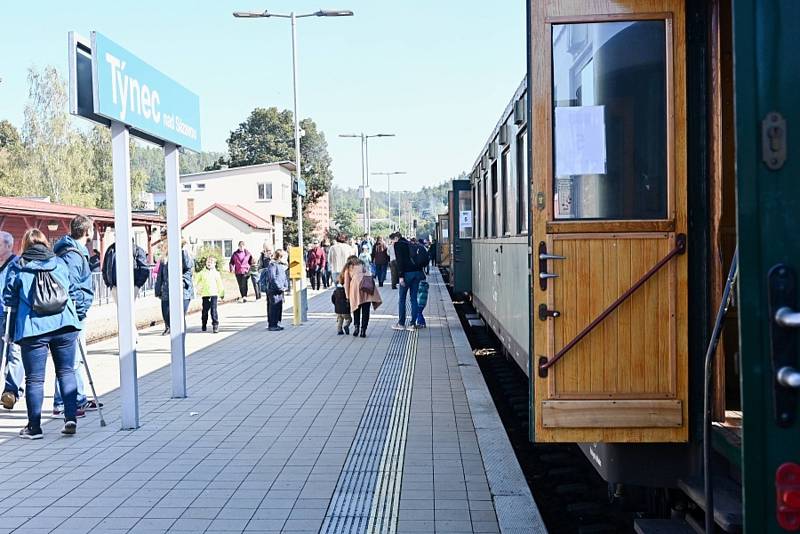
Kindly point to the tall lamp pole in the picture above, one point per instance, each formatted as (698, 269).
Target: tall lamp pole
(299, 297)
(293, 17)
(388, 176)
(365, 170)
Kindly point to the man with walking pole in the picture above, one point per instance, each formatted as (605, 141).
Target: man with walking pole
(72, 251)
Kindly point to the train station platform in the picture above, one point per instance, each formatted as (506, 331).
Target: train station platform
(293, 431)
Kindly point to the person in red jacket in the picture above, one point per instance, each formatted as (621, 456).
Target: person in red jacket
(240, 266)
(316, 265)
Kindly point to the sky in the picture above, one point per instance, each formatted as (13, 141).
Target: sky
(436, 73)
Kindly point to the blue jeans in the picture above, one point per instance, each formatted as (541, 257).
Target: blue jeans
(380, 273)
(34, 356)
(165, 311)
(410, 286)
(58, 402)
(15, 373)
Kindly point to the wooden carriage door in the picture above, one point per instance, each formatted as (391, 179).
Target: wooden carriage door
(609, 182)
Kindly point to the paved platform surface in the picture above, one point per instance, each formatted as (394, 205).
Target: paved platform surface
(292, 431)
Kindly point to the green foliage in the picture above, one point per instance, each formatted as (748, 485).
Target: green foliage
(423, 205)
(346, 222)
(267, 136)
(151, 160)
(203, 253)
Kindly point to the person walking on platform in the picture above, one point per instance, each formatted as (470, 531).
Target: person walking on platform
(432, 253)
(366, 259)
(275, 282)
(15, 373)
(342, 308)
(46, 319)
(316, 265)
(411, 260)
(161, 289)
(72, 251)
(361, 292)
(393, 259)
(239, 265)
(326, 273)
(210, 288)
(338, 254)
(380, 259)
(264, 258)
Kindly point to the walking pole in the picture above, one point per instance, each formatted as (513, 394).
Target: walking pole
(6, 344)
(91, 383)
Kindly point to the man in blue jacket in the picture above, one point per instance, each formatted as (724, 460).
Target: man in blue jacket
(15, 373)
(72, 251)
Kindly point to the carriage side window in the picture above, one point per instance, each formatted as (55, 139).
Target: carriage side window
(475, 208)
(523, 184)
(610, 120)
(495, 200)
(506, 193)
(486, 204)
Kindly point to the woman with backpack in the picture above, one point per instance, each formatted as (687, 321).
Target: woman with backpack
(362, 293)
(162, 283)
(45, 320)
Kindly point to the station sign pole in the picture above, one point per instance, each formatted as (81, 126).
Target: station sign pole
(128, 384)
(175, 271)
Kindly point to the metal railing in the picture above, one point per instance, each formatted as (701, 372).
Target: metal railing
(103, 294)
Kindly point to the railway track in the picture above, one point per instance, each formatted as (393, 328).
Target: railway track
(571, 496)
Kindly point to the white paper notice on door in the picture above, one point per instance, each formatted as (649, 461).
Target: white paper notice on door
(580, 140)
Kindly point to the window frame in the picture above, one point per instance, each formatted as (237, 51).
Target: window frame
(266, 198)
(523, 181)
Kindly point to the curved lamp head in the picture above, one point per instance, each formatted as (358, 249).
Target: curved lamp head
(250, 14)
(334, 13)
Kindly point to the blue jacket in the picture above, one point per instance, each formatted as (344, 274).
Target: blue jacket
(18, 292)
(81, 289)
(273, 279)
(161, 289)
(4, 270)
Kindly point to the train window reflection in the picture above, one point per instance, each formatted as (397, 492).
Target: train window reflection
(610, 120)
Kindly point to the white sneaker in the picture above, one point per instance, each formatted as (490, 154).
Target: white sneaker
(398, 326)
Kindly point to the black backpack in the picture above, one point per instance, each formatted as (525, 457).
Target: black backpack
(418, 255)
(49, 296)
(141, 271)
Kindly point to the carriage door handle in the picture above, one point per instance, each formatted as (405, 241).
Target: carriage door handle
(544, 257)
(784, 322)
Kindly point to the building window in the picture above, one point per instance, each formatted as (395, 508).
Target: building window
(523, 184)
(223, 245)
(265, 191)
(187, 187)
(200, 187)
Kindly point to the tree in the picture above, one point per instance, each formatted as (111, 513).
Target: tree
(346, 223)
(10, 148)
(267, 136)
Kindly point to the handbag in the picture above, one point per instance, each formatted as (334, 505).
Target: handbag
(367, 284)
(49, 296)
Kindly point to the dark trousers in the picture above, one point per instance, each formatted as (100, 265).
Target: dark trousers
(34, 357)
(256, 289)
(361, 316)
(275, 312)
(326, 279)
(395, 275)
(316, 279)
(165, 310)
(380, 273)
(210, 305)
(242, 280)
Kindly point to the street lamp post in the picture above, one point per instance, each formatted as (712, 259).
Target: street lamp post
(389, 190)
(298, 170)
(365, 170)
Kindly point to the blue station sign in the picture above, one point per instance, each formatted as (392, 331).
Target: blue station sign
(128, 90)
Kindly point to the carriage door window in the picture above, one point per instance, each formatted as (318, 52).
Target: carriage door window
(464, 215)
(522, 182)
(610, 111)
(495, 197)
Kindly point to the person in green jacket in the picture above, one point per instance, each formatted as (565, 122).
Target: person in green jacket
(208, 283)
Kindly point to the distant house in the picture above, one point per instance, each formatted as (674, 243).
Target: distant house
(320, 214)
(222, 226)
(237, 204)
